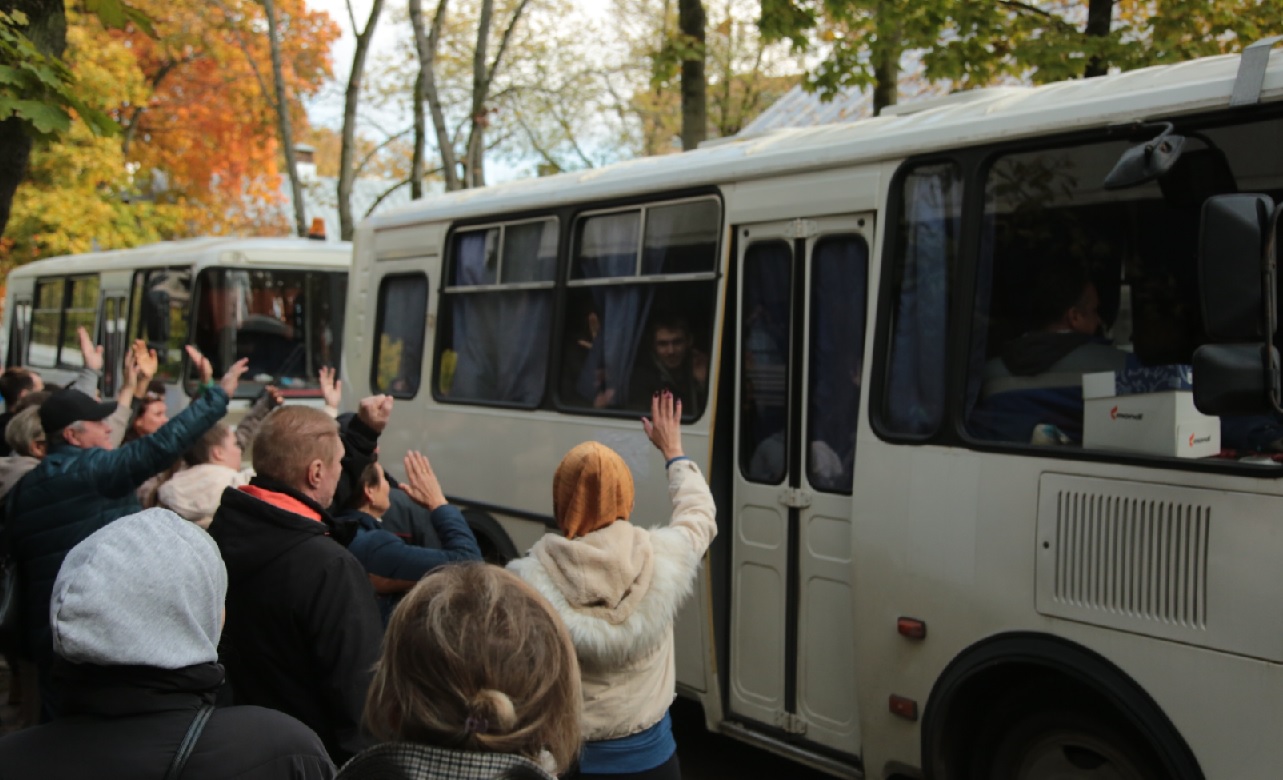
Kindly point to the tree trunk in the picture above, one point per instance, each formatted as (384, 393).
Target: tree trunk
(351, 97)
(417, 166)
(886, 77)
(47, 29)
(427, 50)
(691, 21)
(1100, 16)
(474, 160)
(283, 121)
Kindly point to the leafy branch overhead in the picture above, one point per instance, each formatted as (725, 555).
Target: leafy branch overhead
(40, 90)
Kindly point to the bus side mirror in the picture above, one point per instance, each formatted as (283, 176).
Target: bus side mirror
(1235, 379)
(1232, 266)
(1148, 161)
(1238, 373)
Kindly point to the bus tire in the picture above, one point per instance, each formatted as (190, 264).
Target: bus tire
(496, 546)
(1042, 739)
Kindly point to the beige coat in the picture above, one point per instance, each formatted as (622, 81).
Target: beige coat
(618, 590)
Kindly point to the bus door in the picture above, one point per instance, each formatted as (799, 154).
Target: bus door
(803, 294)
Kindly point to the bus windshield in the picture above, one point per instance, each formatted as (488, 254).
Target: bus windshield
(288, 323)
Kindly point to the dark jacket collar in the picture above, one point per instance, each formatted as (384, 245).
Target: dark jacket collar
(113, 691)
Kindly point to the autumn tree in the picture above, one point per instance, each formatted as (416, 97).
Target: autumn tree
(694, 83)
(969, 44)
(745, 72)
(38, 93)
(208, 128)
(79, 193)
(351, 99)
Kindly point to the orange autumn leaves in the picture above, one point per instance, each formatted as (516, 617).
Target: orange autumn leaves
(197, 151)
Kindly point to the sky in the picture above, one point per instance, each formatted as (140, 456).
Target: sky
(326, 108)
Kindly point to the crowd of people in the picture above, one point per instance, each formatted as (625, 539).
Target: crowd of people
(181, 615)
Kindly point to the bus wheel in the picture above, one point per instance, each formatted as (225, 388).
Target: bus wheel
(496, 546)
(1070, 744)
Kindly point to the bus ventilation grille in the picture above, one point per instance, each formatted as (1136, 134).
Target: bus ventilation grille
(1133, 557)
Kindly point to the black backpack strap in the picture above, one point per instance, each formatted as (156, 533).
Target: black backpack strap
(189, 742)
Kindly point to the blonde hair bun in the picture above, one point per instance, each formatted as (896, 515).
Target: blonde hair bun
(495, 709)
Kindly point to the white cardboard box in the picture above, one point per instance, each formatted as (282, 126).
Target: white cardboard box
(1164, 423)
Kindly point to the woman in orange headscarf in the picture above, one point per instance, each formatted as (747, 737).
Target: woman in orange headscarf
(618, 586)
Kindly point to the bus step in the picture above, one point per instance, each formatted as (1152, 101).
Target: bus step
(830, 766)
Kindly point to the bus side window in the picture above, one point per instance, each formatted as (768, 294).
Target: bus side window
(398, 337)
(497, 313)
(46, 318)
(926, 240)
(629, 335)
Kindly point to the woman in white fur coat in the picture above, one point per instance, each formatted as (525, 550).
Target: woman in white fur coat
(618, 587)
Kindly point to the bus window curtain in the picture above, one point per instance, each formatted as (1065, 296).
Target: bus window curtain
(622, 309)
(915, 391)
(500, 337)
(839, 273)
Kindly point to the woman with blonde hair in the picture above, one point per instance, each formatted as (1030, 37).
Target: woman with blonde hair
(617, 587)
(477, 680)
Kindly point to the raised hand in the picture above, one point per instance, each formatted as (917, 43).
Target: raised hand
(664, 427)
(204, 369)
(92, 354)
(331, 387)
(146, 362)
(233, 376)
(375, 410)
(274, 395)
(421, 481)
(129, 374)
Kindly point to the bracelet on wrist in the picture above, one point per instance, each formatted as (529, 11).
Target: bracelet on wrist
(673, 460)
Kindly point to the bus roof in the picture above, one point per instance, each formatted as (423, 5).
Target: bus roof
(963, 119)
(282, 252)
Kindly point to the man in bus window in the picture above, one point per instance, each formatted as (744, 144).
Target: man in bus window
(1037, 379)
(673, 363)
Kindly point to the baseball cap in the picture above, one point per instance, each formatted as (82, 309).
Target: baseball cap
(68, 406)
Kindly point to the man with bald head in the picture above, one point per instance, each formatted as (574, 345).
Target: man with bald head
(303, 626)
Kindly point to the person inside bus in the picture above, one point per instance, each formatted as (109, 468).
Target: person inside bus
(1037, 378)
(673, 364)
(618, 587)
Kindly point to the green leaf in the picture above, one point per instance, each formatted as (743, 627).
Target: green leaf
(116, 14)
(44, 118)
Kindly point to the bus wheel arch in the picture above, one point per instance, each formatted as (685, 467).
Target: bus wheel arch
(1006, 698)
(496, 545)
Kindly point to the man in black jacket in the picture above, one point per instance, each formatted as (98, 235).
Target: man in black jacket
(303, 628)
(137, 609)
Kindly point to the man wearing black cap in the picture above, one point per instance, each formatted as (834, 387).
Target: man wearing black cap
(83, 484)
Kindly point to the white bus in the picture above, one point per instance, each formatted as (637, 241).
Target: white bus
(911, 579)
(277, 301)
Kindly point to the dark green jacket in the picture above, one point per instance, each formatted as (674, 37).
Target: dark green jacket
(74, 492)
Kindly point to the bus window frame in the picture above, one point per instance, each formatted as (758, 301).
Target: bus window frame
(892, 267)
(642, 205)
(186, 377)
(975, 163)
(567, 215)
(380, 313)
(448, 288)
(67, 281)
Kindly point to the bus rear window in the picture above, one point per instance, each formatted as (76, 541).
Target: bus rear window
(288, 323)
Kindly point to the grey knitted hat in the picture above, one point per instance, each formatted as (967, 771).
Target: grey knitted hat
(146, 590)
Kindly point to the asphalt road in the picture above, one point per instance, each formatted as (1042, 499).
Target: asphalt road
(708, 756)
